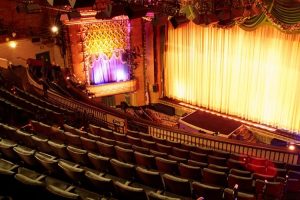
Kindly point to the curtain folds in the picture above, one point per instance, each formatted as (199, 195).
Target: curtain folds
(254, 75)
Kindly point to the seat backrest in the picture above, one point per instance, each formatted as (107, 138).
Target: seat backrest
(99, 162)
(127, 192)
(166, 165)
(145, 160)
(59, 149)
(207, 191)
(78, 155)
(140, 149)
(245, 184)
(107, 150)
(100, 184)
(200, 157)
(180, 152)
(217, 160)
(72, 139)
(164, 148)
(148, 144)
(150, 178)
(190, 172)
(235, 164)
(76, 174)
(214, 177)
(177, 185)
(89, 144)
(124, 155)
(242, 173)
(123, 170)
(156, 196)
(228, 195)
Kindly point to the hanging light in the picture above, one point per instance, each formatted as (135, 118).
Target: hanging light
(54, 29)
(12, 44)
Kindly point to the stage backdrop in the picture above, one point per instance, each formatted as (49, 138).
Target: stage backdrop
(253, 75)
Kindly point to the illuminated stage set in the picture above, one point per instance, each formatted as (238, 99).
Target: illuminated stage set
(105, 49)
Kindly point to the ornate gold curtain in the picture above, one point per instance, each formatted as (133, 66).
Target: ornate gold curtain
(253, 75)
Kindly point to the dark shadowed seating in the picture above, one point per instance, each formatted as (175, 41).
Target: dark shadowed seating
(127, 192)
(59, 149)
(107, 150)
(50, 163)
(197, 164)
(72, 139)
(207, 191)
(7, 171)
(158, 153)
(228, 195)
(188, 147)
(213, 177)
(293, 174)
(173, 143)
(124, 145)
(159, 140)
(148, 144)
(180, 153)
(145, 160)
(140, 149)
(277, 164)
(272, 171)
(29, 184)
(100, 163)
(166, 166)
(156, 196)
(73, 171)
(41, 143)
(108, 141)
(221, 154)
(100, 184)
(78, 155)
(178, 159)
(200, 157)
(218, 168)
(273, 191)
(6, 147)
(24, 138)
(27, 155)
(238, 157)
(60, 190)
(190, 172)
(150, 178)
(93, 137)
(145, 136)
(235, 164)
(177, 185)
(164, 148)
(134, 141)
(292, 189)
(203, 150)
(124, 155)
(244, 183)
(293, 167)
(89, 144)
(95, 130)
(123, 170)
(107, 133)
(119, 136)
(242, 173)
(217, 160)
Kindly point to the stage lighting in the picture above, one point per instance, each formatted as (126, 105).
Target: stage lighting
(178, 20)
(12, 44)
(54, 29)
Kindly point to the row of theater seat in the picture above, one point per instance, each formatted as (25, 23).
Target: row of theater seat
(168, 168)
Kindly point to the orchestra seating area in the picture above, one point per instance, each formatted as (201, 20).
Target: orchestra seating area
(49, 158)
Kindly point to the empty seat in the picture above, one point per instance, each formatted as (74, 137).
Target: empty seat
(292, 189)
(207, 191)
(200, 157)
(164, 148)
(256, 168)
(159, 140)
(72, 139)
(145, 136)
(24, 138)
(217, 160)
(188, 147)
(59, 190)
(228, 195)
(293, 174)
(150, 178)
(293, 167)
(145, 160)
(166, 166)
(29, 184)
(107, 150)
(93, 137)
(59, 149)
(158, 153)
(41, 143)
(134, 141)
(124, 155)
(178, 159)
(100, 184)
(89, 144)
(108, 141)
(220, 153)
(277, 164)
(72, 170)
(94, 129)
(244, 183)
(6, 147)
(123, 170)
(242, 173)
(173, 143)
(128, 192)
(180, 153)
(238, 157)
(190, 172)
(78, 155)
(140, 149)
(7, 171)
(107, 133)
(119, 136)
(235, 164)
(271, 190)
(50, 163)
(148, 144)
(99, 162)
(26, 154)
(86, 194)
(213, 177)
(156, 196)
(123, 145)
(257, 161)
(177, 185)
(277, 172)
(218, 168)
(132, 133)
(203, 150)
(197, 164)
(8, 132)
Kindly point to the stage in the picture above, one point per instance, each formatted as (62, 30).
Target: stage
(205, 122)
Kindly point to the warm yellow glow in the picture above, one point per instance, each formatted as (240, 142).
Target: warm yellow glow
(253, 75)
(13, 44)
(54, 29)
(292, 147)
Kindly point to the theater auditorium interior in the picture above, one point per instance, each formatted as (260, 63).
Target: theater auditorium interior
(150, 99)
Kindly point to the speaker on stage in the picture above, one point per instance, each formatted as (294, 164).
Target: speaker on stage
(81, 3)
(58, 2)
(178, 20)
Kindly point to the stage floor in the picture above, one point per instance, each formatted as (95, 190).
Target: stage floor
(201, 121)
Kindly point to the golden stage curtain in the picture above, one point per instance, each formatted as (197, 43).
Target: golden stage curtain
(253, 75)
